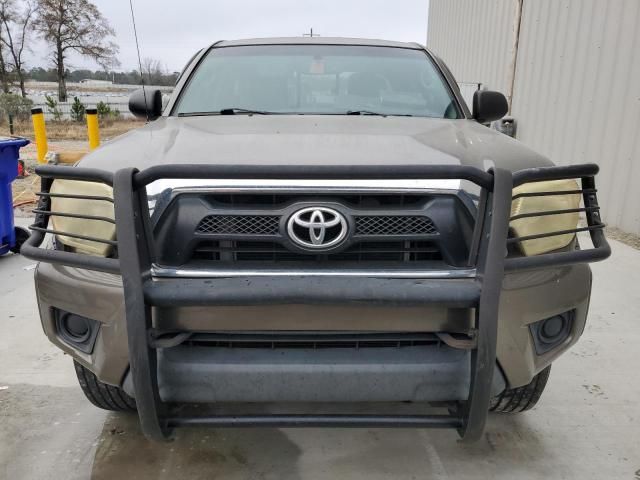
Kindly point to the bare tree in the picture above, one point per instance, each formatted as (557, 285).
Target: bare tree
(4, 73)
(154, 71)
(14, 32)
(75, 25)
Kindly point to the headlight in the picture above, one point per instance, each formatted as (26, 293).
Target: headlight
(537, 225)
(95, 215)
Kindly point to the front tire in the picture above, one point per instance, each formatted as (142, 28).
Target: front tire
(101, 394)
(22, 235)
(521, 399)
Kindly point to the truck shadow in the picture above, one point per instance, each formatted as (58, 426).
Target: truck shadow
(122, 451)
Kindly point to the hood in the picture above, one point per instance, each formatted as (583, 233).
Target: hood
(313, 140)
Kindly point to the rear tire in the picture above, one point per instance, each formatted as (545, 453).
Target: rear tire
(521, 399)
(101, 394)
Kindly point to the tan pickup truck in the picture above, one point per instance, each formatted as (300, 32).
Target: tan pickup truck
(315, 220)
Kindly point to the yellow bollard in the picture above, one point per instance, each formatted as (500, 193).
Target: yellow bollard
(40, 132)
(93, 129)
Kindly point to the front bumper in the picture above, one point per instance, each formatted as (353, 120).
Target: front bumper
(494, 305)
(526, 297)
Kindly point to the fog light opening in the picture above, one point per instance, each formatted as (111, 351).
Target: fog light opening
(551, 332)
(552, 328)
(76, 327)
(75, 330)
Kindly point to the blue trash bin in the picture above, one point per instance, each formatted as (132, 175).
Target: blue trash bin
(9, 154)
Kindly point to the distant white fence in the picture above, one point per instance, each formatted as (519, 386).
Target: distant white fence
(65, 109)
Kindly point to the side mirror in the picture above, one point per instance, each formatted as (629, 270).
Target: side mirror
(146, 104)
(489, 106)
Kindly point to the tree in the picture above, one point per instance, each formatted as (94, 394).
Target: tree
(127, 78)
(77, 110)
(52, 106)
(75, 25)
(104, 110)
(4, 74)
(14, 32)
(14, 105)
(41, 75)
(154, 70)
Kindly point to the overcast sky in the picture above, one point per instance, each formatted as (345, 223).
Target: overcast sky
(173, 30)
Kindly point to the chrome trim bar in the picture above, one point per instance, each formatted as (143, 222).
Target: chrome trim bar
(301, 186)
(180, 272)
(315, 187)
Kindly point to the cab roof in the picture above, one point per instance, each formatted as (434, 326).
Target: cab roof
(317, 41)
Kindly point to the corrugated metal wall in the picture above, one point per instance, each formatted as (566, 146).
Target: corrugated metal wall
(577, 83)
(474, 38)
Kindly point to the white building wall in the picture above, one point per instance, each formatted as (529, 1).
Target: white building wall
(474, 38)
(577, 82)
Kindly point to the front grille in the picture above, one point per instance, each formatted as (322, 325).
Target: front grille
(392, 228)
(239, 225)
(264, 251)
(378, 225)
(394, 225)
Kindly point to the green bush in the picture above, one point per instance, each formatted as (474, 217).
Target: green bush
(77, 110)
(52, 107)
(15, 105)
(104, 110)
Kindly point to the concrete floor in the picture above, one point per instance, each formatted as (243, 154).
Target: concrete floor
(586, 426)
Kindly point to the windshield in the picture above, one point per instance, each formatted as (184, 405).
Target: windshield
(317, 79)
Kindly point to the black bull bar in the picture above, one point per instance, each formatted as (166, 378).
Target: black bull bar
(482, 292)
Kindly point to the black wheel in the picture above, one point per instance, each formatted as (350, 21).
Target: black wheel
(102, 395)
(22, 234)
(516, 400)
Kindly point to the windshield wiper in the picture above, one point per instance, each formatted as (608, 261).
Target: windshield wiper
(246, 111)
(233, 111)
(365, 112)
(224, 111)
(378, 114)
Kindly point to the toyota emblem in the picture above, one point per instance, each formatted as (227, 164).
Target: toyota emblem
(317, 228)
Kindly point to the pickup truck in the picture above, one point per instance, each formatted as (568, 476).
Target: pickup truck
(313, 221)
